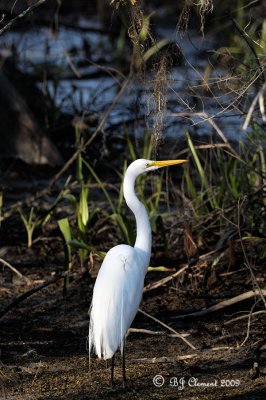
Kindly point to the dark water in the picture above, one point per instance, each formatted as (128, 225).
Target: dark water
(80, 76)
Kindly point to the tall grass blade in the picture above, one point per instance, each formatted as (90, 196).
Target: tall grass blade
(154, 49)
(83, 206)
(93, 173)
(66, 232)
(197, 162)
(81, 245)
(131, 148)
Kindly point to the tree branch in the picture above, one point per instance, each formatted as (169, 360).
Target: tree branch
(21, 15)
(224, 304)
(35, 289)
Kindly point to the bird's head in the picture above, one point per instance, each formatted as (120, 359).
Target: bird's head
(141, 165)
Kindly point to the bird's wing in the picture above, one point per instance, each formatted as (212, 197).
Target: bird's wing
(116, 298)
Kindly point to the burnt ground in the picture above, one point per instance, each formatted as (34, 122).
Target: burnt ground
(43, 339)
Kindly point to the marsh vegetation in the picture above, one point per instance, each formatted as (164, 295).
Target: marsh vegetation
(88, 89)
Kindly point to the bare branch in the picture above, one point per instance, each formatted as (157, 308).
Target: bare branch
(15, 207)
(201, 355)
(260, 99)
(21, 15)
(224, 304)
(158, 360)
(169, 328)
(244, 317)
(161, 282)
(30, 292)
(15, 271)
(155, 333)
(253, 277)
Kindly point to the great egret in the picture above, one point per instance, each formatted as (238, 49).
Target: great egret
(119, 285)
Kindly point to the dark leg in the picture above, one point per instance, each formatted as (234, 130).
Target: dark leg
(112, 382)
(124, 364)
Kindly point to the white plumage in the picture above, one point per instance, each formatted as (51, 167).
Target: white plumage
(119, 285)
(115, 306)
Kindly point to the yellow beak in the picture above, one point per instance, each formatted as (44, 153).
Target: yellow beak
(166, 163)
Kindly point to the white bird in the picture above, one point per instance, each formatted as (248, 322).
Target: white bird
(119, 285)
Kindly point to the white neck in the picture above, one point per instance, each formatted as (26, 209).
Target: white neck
(143, 239)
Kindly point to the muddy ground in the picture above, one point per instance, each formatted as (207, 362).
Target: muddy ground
(43, 339)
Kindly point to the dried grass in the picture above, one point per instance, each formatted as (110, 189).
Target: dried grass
(204, 6)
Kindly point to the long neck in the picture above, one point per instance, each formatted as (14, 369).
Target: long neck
(143, 239)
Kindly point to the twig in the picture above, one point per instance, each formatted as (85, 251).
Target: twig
(248, 327)
(239, 95)
(169, 328)
(245, 36)
(21, 15)
(219, 348)
(240, 203)
(15, 207)
(15, 271)
(233, 272)
(93, 136)
(208, 119)
(244, 317)
(155, 333)
(146, 331)
(71, 64)
(249, 323)
(257, 98)
(39, 366)
(161, 282)
(30, 292)
(157, 360)
(224, 304)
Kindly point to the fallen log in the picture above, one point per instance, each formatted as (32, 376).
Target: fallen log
(20, 134)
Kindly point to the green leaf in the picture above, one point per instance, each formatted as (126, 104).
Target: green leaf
(30, 224)
(83, 205)
(197, 162)
(118, 218)
(154, 49)
(93, 173)
(191, 186)
(65, 228)
(81, 245)
(159, 269)
(131, 148)
(72, 200)
(143, 35)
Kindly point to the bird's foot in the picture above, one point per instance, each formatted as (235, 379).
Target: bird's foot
(112, 383)
(124, 383)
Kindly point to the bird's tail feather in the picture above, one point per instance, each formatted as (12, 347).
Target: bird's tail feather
(122, 325)
(89, 343)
